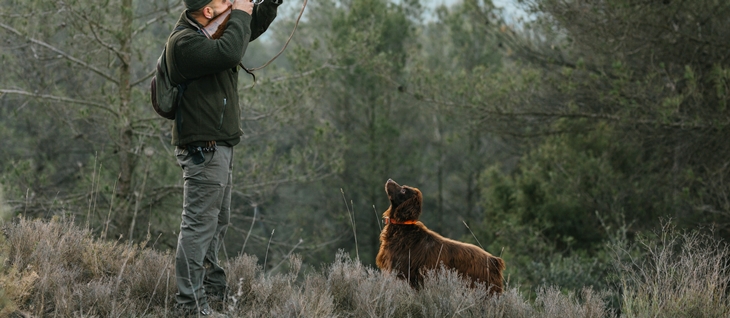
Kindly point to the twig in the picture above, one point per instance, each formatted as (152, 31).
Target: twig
(91, 194)
(267, 250)
(137, 200)
(439, 257)
(255, 212)
(111, 205)
(119, 277)
(154, 291)
(95, 192)
(167, 291)
(472, 234)
(377, 219)
(27, 194)
(352, 222)
(287, 255)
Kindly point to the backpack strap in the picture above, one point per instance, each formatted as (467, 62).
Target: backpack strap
(180, 90)
(176, 30)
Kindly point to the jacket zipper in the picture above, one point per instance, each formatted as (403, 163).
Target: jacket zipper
(220, 121)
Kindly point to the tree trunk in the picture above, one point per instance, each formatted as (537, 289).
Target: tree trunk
(126, 156)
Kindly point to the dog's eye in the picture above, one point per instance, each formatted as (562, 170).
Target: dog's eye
(403, 191)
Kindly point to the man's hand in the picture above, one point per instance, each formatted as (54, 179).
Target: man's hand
(243, 5)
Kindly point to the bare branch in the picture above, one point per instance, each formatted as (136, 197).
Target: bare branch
(304, 74)
(62, 53)
(146, 77)
(162, 15)
(60, 99)
(268, 114)
(104, 44)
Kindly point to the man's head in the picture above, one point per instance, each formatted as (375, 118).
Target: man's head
(195, 5)
(206, 10)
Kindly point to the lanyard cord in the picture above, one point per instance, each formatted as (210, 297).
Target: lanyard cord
(296, 24)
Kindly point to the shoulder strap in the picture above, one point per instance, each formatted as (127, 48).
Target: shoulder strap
(174, 31)
(180, 88)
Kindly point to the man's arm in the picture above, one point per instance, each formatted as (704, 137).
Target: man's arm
(196, 55)
(263, 15)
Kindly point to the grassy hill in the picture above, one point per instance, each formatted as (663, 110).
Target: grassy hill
(56, 269)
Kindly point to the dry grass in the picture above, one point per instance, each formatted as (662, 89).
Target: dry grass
(684, 275)
(54, 269)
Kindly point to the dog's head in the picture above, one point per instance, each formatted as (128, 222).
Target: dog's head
(405, 202)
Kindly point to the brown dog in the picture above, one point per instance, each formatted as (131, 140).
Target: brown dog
(409, 248)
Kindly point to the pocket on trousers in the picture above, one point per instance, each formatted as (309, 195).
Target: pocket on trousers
(185, 158)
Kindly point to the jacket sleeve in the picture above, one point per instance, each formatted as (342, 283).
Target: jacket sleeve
(263, 15)
(197, 56)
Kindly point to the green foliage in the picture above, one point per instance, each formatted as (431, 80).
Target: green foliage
(554, 214)
(650, 92)
(362, 48)
(624, 130)
(562, 188)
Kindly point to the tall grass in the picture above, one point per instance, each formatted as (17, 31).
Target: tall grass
(5, 211)
(55, 269)
(682, 274)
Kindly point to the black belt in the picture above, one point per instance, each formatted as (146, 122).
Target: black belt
(197, 152)
(208, 146)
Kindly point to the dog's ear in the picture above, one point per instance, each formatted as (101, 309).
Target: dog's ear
(410, 209)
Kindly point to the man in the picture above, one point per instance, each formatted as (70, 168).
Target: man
(206, 127)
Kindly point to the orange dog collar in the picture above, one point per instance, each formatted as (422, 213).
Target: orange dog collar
(388, 220)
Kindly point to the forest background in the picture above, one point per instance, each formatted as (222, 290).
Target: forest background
(548, 136)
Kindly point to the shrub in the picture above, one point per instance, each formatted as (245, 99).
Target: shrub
(679, 275)
(56, 269)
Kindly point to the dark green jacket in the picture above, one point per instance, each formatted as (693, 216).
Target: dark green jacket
(209, 108)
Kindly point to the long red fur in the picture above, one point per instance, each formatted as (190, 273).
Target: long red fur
(411, 250)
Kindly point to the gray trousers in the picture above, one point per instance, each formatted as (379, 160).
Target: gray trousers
(205, 217)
